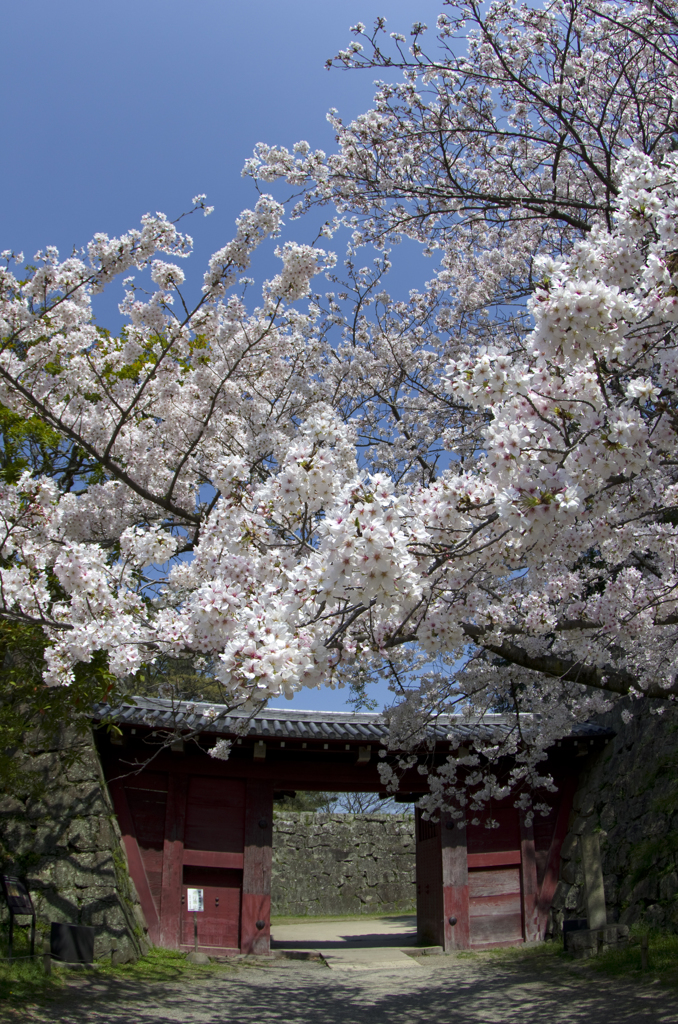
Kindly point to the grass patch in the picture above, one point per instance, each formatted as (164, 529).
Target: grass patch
(625, 961)
(23, 983)
(159, 965)
(538, 950)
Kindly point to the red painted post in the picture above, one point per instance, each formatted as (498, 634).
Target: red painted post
(528, 881)
(255, 924)
(455, 885)
(173, 862)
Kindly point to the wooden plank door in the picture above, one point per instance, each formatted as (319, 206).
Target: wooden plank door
(219, 923)
(494, 878)
(214, 832)
(429, 874)
(147, 800)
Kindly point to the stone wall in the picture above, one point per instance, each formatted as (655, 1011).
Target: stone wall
(628, 794)
(65, 843)
(343, 864)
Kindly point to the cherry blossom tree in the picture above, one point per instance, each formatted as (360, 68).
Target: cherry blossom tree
(473, 490)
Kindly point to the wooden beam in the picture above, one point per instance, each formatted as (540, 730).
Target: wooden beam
(255, 922)
(502, 858)
(135, 863)
(528, 881)
(213, 859)
(173, 862)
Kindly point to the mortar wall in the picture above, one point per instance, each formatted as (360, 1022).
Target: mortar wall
(64, 842)
(628, 794)
(343, 864)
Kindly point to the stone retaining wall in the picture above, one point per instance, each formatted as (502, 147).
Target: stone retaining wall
(66, 844)
(342, 864)
(628, 794)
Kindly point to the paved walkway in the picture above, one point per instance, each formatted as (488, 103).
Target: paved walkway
(368, 960)
(445, 990)
(357, 933)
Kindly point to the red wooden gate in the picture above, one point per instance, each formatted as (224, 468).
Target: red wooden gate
(185, 832)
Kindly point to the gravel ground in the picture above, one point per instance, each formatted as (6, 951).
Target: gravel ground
(445, 990)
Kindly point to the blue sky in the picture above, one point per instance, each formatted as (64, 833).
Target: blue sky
(111, 110)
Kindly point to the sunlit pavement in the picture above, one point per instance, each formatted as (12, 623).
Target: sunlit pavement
(393, 930)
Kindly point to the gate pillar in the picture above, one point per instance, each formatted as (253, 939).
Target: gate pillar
(255, 922)
(442, 883)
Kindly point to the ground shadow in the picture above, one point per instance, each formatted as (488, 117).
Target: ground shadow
(306, 993)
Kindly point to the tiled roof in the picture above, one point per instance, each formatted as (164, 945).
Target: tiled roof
(217, 719)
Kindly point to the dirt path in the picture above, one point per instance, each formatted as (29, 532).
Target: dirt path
(444, 990)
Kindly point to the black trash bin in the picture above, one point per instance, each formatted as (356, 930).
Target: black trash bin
(72, 943)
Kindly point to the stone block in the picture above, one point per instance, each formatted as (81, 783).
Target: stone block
(608, 817)
(646, 889)
(590, 942)
(42, 874)
(569, 848)
(82, 834)
(81, 799)
(571, 872)
(585, 803)
(668, 886)
(560, 895)
(593, 881)
(85, 769)
(610, 886)
(655, 916)
(574, 900)
(9, 805)
(579, 825)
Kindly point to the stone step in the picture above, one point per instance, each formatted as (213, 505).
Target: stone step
(380, 959)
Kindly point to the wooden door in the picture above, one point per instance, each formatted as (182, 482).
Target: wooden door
(429, 867)
(495, 895)
(147, 801)
(213, 855)
(219, 923)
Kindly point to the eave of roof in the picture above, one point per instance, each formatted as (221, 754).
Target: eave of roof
(327, 726)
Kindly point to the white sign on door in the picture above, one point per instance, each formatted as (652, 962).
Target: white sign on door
(195, 899)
